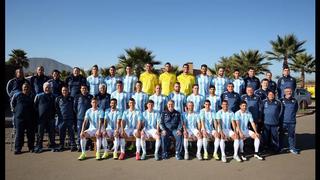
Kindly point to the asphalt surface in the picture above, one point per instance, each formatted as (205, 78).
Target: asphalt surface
(64, 165)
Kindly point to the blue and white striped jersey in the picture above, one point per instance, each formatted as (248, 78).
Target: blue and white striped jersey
(191, 120)
(93, 117)
(93, 84)
(131, 118)
(122, 100)
(111, 83)
(244, 118)
(112, 117)
(204, 82)
(151, 119)
(179, 99)
(221, 84)
(225, 118)
(198, 101)
(208, 117)
(159, 102)
(141, 99)
(238, 85)
(129, 83)
(215, 102)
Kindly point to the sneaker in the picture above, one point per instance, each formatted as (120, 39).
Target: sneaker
(98, 156)
(237, 158)
(115, 155)
(223, 159)
(258, 156)
(165, 156)
(178, 157)
(294, 151)
(216, 156)
(137, 156)
(105, 155)
(199, 156)
(156, 157)
(243, 157)
(39, 150)
(143, 157)
(122, 155)
(16, 152)
(205, 156)
(186, 156)
(82, 156)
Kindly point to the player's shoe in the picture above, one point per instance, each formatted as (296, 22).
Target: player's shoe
(258, 156)
(115, 155)
(237, 158)
(223, 158)
(205, 155)
(82, 156)
(199, 156)
(243, 157)
(294, 151)
(143, 157)
(156, 157)
(216, 156)
(137, 156)
(122, 155)
(186, 156)
(105, 155)
(98, 157)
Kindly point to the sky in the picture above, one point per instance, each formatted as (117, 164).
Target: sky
(83, 33)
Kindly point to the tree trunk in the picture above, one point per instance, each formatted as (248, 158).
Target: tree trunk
(285, 61)
(302, 78)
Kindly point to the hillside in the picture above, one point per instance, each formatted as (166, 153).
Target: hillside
(48, 64)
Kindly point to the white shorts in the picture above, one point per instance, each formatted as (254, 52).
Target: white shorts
(248, 133)
(151, 133)
(211, 133)
(192, 132)
(130, 132)
(228, 132)
(110, 132)
(91, 132)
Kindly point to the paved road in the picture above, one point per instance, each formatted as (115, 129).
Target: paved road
(64, 165)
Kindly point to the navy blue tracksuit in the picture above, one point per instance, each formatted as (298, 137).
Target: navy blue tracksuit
(81, 104)
(171, 122)
(254, 82)
(23, 109)
(263, 94)
(37, 82)
(271, 113)
(103, 101)
(74, 83)
(288, 121)
(15, 85)
(66, 115)
(286, 81)
(254, 107)
(233, 99)
(45, 112)
(272, 86)
(56, 85)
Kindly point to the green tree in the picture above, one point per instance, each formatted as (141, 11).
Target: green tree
(64, 74)
(18, 58)
(285, 48)
(303, 63)
(228, 63)
(251, 58)
(136, 58)
(104, 72)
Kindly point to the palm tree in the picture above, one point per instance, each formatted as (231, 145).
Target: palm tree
(64, 74)
(285, 48)
(136, 58)
(303, 63)
(251, 58)
(18, 58)
(104, 72)
(228, 63)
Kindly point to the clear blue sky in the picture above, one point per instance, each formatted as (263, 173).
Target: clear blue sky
(82, 33)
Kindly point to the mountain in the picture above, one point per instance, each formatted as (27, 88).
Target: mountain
(48, 64)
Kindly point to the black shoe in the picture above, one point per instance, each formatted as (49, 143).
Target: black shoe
(61, 149)
(79, 149)
(39, 150)
(73, 149)
(258, 156)
(16, 152)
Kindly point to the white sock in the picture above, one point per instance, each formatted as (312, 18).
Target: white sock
(199, 146)
(143, 145)
(235, 147)
(122, 145)
(222, 146)
(256, 144)
(185, 144)
(116, 144)
(157, 146)
(83, 142)
(98, 144)
(216, 144)
(105, 144)
(205, 145)
(138, 144)
(241, 144)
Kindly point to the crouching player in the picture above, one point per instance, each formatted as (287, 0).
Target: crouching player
(151, 127)
(110, 128)
(191, 126)
(93, 115)
(242, 118)
(131, 126)
(209, 129)
(226, 118)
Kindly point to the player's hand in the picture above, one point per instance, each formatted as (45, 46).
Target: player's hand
(258, 135)
(222, 135)
(98, 133)
(82, 134)
(179, 133)
(204, 132)
(241, 135)
(185, 133)
(164, 132)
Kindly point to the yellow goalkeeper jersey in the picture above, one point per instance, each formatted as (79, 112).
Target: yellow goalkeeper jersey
(167, 81)
(186, 83)
(149, 82)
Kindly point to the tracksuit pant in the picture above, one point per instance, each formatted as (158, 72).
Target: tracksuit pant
(165, 142)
